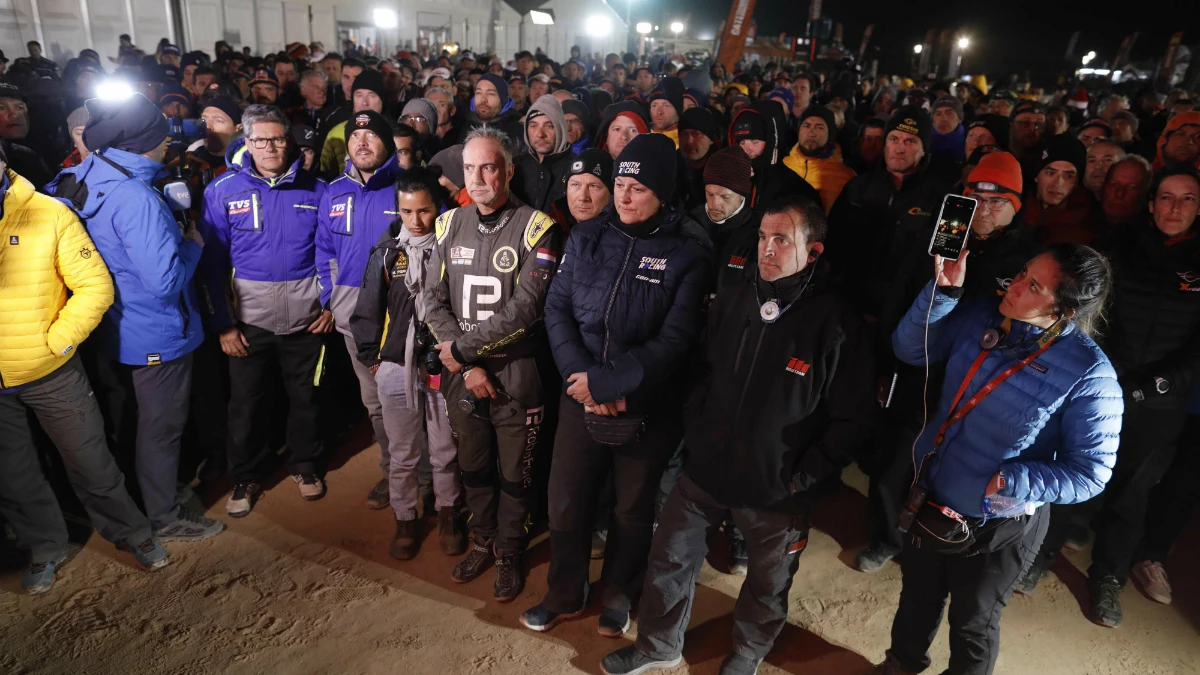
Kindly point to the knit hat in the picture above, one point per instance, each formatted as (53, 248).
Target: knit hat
(422, 107)
(911, 120)
(132, 124)
(170, 50)
(77, 118)
(11, 91)
(748, 127)
(1099, 124)
(949, 102)
(169, 73)
(371, 80)
(730, 168)
(700, 119)
(172, 92)
(594, 161)
(576, 108)
(500, 84)
(305, 137)
(670, 90)
(1064, 148)
(227, 106)
(997, 125)
(816, 110)
(1128, 117)
(783, 93)
(372, 121)
(698, 99)
(650, 160)
(264, 76)
(843, 89)
(1079, 99)
(997, 172)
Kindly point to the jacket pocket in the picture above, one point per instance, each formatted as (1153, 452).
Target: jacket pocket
(341, 214)
(244, 210)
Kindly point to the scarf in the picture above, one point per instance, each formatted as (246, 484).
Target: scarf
(416, 248)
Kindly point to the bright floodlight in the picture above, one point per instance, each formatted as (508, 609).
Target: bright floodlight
(1087, 58)
(598, 25)
(644, 28)
(677, 27)
(541, 18)
(917, 49)
(385, 18)
(114, 90)
(963, 42)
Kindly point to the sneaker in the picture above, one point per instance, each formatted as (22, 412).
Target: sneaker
(872, 559)
(890, 667)
(1029, 583)
(311, 487)
(189, 526)
(1106, 602)
(599, 542)
(479, 558)
(379, 497)
(451, 537)
(541, 619)
(1077, 537)
(739, 560)
(1152, 577)
(149, 554)
(510, 577)
(407, 540)
(39, 578)
(629, 661)
(736, 664)
(241, 502)
(613, 622)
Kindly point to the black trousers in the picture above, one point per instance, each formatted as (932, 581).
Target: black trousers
(978, 584)
(577, 475)
(1149, 440)
(1173, 501)
(891, 474)
(299, 358)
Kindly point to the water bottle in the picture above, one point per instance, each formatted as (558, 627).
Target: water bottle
(998, 506)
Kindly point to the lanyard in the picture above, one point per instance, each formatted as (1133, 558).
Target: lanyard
(957, 413)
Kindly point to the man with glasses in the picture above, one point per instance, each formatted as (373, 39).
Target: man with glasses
(357, 207)
(421, 115)
(260, 223)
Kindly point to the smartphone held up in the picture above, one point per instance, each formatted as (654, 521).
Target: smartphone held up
(953, 226)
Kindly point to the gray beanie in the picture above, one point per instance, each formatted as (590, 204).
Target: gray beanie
(77, 118)
(424, 108)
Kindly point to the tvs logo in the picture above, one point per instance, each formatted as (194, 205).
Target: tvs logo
(337, 210)
(1189, 281)
(239, 206)
(798, 367)
(737, 262)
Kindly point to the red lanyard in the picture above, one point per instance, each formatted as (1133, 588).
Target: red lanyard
(957, 413)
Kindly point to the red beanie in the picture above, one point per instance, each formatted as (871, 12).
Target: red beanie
(730, 168)
(997, 172)
(635, 118)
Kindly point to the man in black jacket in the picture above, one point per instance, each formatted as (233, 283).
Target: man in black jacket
(727, 217)
(757, 131)
(540, 174)
(782, 398)
(492, 107)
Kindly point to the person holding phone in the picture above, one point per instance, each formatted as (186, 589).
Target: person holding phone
(1030, 414)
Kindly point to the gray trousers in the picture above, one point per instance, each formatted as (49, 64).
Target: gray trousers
(773, 541)
(163, 394)
(370, 399)
(66, 408)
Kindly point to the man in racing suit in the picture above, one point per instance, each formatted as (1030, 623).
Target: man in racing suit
(493, 262)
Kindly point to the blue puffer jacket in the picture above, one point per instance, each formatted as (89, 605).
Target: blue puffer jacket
(154, 317)
(1052, 427)
(264, 231)
(628, 309)
(351, 218)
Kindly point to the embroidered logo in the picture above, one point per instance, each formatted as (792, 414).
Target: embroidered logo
(1190, 280)
(505, 259)
(737, 262)
(629, 168)
(154, 359)
(653, 264)
(461, 255)
(239, 206)
(546, 257)
(798, 367)
(337, 210)
(14, 240)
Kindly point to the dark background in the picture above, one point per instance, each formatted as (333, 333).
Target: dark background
(1007, 37)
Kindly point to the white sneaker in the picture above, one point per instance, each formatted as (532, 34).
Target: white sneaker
(311, 487)
(242, 500)
(1152, 577)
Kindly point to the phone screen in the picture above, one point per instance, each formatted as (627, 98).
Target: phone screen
(953, 225)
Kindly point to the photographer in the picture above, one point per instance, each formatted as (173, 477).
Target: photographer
(388, 324)
(1006, 439)
(623, 314)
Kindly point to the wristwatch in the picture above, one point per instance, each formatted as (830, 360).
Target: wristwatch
(1161, 385)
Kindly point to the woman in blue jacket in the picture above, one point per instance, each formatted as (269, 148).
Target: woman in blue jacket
(1030, 414)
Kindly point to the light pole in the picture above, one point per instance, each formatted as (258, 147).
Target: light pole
(963, 43)
(676, 28)
(628, 27)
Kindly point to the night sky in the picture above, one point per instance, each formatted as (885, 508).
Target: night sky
(1007, 37)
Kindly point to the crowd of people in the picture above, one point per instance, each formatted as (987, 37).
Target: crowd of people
(629, 299)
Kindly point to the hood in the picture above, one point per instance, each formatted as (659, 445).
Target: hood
(1173, 125)
(550, 107)
(610, 114)
(763, 109)
(503, 111)
(102, 178)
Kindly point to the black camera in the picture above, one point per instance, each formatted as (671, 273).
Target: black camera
(425, 353)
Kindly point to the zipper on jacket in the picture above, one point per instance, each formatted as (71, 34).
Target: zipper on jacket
(349, 214)
(612, 298)
(254, 210)
(737, 413)
(737, 360)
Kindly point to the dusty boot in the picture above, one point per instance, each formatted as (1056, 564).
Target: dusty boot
(450, 533)
(479, 558)
(379, 497)
(407, 540)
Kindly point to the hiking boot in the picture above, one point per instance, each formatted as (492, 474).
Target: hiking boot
(39, 578)
(736, 664)
(479, 558)
(451, 537)
(510, 577)
(599, 542)
(311, 487)
(149, 554)
(1029, 583)
(872, 559)
(1152, 577)
(407, 540)
(1106, 602)
(613, 622)
(629, 661)
(241, 502)
(739, 560)
(380, 496)
(189, 526)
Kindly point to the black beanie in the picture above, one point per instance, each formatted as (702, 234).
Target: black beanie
(132, 124)
(501, 87)
(749, 126)
(700, 119)
(816, 110)
(227, 106)
(595, 161)
(1064, 148)
(372, 121)
(371, 80)
(996, 124)
(670, 89)
(650, 160)
(913, 120)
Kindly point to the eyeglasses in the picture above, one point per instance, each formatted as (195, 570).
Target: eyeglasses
(414, 119)
(995, 203)
(260, 143)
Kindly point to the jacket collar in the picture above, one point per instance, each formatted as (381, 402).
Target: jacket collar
(139, 166)
(385, 176)
(238, 158)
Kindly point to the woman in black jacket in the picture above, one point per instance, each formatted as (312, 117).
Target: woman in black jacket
(389, 328)
(623, 314)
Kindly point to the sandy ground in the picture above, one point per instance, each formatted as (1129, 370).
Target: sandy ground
(303, 587)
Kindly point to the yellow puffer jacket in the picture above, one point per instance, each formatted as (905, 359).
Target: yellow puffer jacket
(827, 174)
(333, 153)
(45, 252)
